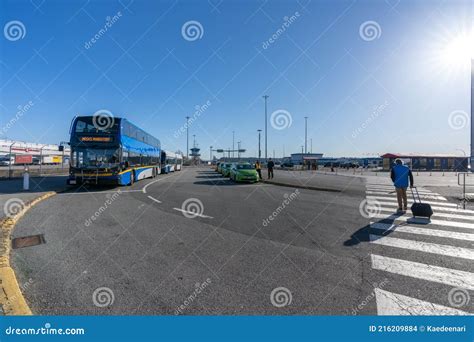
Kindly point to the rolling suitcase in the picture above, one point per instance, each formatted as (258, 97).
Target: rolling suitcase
(418, 208)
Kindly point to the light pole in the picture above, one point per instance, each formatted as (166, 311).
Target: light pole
(233, 143)
(259, 150)
(266, 121)
(302, 160)
(471, 160)
(187, 137)
(238, 147)
(305, 134)
(210, 154)
(311, 149)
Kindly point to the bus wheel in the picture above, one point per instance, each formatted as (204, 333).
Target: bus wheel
(132, 178)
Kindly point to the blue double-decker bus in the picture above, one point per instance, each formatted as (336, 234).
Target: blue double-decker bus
(115, 152)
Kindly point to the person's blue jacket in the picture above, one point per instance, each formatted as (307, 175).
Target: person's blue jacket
(400, 175)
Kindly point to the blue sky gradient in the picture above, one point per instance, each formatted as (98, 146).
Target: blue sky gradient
(362, 97)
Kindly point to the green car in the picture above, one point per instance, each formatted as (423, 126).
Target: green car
(243, 172)
(225, 169)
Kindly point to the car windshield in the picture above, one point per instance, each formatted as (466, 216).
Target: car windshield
(245, 167)
(95, 158)
(227, 165)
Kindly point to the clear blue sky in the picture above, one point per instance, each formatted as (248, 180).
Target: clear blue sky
(319, 66)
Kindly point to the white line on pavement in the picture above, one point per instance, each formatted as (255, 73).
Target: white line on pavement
(154, 199)
(392, 188)
(422, 196)
(423, 231)
(434, 207)
(419, 270)
(157, 180)
(192, 213)
(394, 199)
(446, 215)
(389, 303)
(427, 247)
(425, 221)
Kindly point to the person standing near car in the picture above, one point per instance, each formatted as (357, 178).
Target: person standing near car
(270, 166)
(400, 175)
(258, 167)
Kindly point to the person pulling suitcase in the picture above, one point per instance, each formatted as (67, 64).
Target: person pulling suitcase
(400, 175)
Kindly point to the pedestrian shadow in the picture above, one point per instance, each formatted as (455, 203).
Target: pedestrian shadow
(363, 234)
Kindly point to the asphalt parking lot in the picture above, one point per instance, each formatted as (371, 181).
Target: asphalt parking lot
(193, 242)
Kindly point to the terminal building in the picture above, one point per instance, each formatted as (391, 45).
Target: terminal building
(427, 162)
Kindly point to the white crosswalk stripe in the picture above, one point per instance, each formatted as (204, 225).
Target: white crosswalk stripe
(423, 231)
(449, 226)
(389, 303)
(418, 270)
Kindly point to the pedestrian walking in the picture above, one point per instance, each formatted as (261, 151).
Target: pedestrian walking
(400, 175)
(258, 167)
(270, 166)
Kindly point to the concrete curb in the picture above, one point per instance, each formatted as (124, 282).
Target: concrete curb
(11, 297)
(307, 187)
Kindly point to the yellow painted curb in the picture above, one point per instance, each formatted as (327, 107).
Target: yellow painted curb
(11, 297)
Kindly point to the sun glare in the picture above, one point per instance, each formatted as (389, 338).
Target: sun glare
(459, 51)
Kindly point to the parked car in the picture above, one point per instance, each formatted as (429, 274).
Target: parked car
(225, 169)
(243, 172)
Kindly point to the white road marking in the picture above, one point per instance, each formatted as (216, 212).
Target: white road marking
(392, 188)
(118, 191)
(394, 199)
(442, 275)
(446, 215)
(425, 221)
(427, 247)
(434, 207)
(422, 196)
(192, 213)
(389, 303)
(423, 231)
(157, 180)
(154, 199)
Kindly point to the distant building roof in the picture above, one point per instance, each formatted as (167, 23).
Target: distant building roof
(420, 155)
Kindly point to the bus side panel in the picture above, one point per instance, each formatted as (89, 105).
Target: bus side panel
(125, 178)
(142, 173)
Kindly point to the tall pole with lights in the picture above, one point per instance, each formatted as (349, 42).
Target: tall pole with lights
(266, 121)
(259, 150)
(471, 161)
(187, 137)
(305, 134)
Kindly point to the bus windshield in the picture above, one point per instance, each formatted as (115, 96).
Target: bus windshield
(91, 125)
(95, 158)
